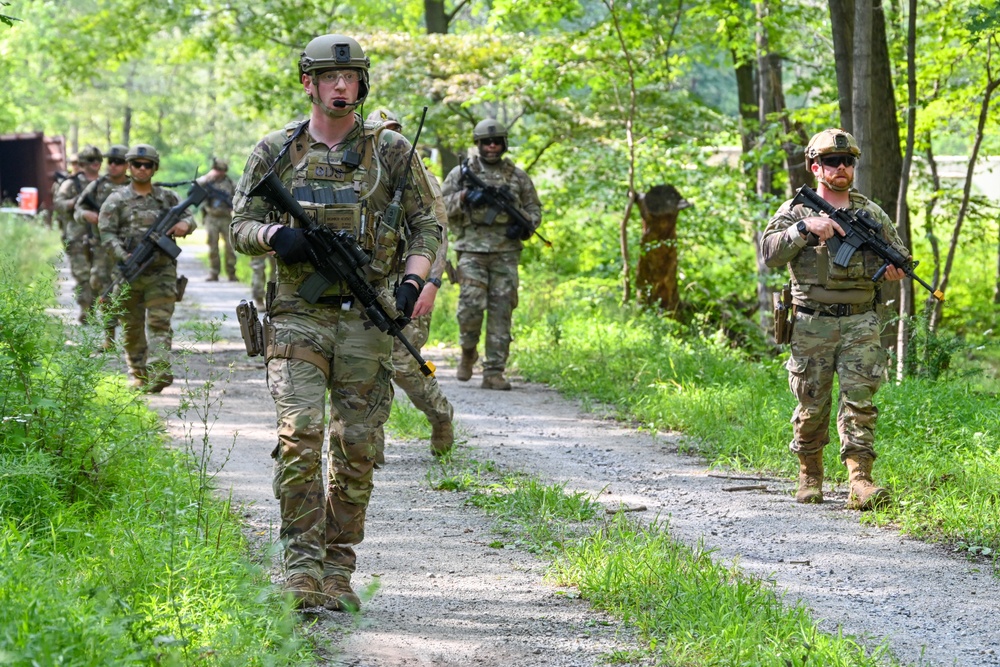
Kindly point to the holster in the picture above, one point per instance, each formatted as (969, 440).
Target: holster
(784, 316)
(250, 328)
(182, 283)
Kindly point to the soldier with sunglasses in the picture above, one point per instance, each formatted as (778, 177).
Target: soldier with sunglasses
(487, 256)
(835, 325)
(148, 305)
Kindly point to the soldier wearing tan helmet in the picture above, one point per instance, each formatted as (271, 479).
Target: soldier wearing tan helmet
(488, 257)
(148, 305)
(217, 216)
(424, 392)
(835, 327)
(77, 237)
(87, 212)
(343, 174)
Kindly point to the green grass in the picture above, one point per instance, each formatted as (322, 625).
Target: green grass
(938, 440)
(688, 609)
(114, 549)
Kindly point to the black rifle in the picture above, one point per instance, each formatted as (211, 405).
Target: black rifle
(155, 241)
(213, 192)
(337, 257)
(500, 199)
(861, 231)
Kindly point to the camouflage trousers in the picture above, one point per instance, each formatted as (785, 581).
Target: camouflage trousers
(217, 227)
(321, 522)
(849, 347)
(424, 392)
(78, 251)
(102, 274)
(489, 287)
(145, 318)
(258, 282)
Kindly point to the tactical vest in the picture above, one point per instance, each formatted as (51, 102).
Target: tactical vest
(502, 175)
(343, 197)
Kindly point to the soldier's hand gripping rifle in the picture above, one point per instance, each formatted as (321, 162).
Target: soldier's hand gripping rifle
(155, 241)
(861, 231)
(501, 200)
(337, 257)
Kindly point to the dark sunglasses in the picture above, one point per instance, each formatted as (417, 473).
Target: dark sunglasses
(492, 141)
(837, 160)
(142, 165)
(115, 160)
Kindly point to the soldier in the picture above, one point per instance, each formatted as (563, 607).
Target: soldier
(260, 265)
(487, 257)
(77, 237)
(149, 302)
(836, 328)
(217, 216)
(344, 176)
(424, 392)
(87, 212)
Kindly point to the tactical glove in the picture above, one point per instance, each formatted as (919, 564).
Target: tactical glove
(475, 197)
(406, 298)
(291, 245)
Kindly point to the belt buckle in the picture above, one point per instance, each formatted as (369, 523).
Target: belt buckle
(841, 309)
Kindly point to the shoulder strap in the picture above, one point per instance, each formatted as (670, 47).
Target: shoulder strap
(295, 149)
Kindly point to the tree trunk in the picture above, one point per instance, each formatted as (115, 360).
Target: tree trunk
(769, 81)
(861, 87)
(656, 276)
(842, 24)
(906, 309)
(435, 17)
(127, 125)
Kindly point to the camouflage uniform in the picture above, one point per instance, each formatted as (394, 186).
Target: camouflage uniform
(330, 345)
(76, 239)
(217, 212)
(125, 217)
(836, 330)
(103, 259)
(487, 259)
(259, 266)
(424, 392)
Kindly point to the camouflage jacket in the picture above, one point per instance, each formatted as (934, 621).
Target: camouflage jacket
(219, 202)
(815, 279)
(126, 216)
(65, 204)
(471, 227)
(359, 196)
(97, 191)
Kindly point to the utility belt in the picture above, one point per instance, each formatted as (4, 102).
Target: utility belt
(343, 300)
(837, 309)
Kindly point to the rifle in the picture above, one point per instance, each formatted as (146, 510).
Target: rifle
(500, 199)
(861, 231)
(337, 257)
(155, 241)
(212, 191)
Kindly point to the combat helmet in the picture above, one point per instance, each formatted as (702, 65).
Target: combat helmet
(90, 154)
(386, 118)
(833, 140)
(116, 151)
(220, 164)
(336, 52)
(489, 129)
(143, 152)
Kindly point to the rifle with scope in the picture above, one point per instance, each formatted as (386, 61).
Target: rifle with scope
(861, 231)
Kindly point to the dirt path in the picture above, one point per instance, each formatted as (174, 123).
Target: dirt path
(438, 594)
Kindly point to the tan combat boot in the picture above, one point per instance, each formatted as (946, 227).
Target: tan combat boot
(810, 478)
(864, 494)
(339, 594)
(442, 438)
(495, 381)
(464, 372)
(304, 591)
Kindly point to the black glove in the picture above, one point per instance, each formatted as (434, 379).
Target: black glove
(406, 298)
(290, 244)
(475, 197)
(516, 231)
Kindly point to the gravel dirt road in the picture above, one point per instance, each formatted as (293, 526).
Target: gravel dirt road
(435, 592)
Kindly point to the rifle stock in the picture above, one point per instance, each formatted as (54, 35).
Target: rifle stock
(337, 257)
(860, 231)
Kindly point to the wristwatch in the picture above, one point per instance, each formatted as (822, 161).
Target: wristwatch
(802, 229)
(435, 281)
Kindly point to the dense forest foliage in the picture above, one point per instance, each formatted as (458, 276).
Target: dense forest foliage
(605, 99)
